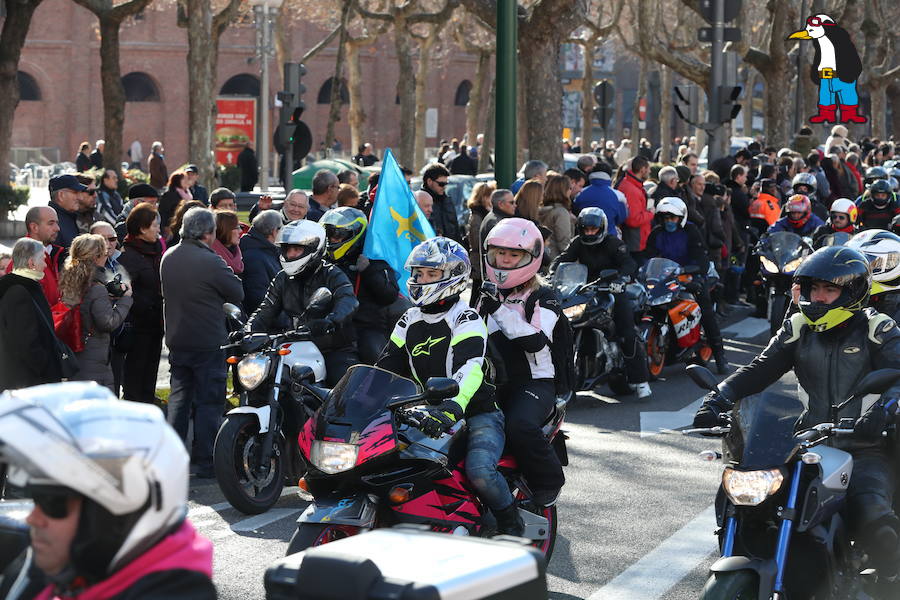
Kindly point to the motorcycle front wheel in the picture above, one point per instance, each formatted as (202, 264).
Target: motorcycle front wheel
(236, 458)
(309, 535)
(733, 585)
(656, 351)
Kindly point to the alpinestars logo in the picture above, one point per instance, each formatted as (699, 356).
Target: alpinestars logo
(425, 347)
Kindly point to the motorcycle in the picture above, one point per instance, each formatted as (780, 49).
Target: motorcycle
(671, 326)
(588, 306)
(371, 467)
(251, 458)
(780, 254)
(780, 527)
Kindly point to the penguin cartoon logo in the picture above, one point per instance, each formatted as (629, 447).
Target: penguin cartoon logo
(835, 69)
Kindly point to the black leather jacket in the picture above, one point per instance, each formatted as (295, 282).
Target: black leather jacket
(828, 365)
(291, 295)
(375, 288)
(611, 253)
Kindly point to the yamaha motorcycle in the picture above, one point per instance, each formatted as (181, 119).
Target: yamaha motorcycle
(782, 534)
(254, 451)
(671, 326)
(588, 306)
(370, 466)
(780, 254)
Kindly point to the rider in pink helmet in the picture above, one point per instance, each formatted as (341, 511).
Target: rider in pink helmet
(513, 252)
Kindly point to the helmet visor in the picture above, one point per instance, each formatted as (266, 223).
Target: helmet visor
(507, 258)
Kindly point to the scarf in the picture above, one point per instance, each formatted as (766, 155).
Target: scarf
(29, 273)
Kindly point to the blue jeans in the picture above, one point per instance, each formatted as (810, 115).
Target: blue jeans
(486, 440)
(198, 383)
(834, 91)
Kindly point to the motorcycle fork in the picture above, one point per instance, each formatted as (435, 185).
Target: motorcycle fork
(730, 530)
(784, 534)
(268, 442)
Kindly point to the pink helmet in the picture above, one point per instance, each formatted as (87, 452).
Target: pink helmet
(518, 234)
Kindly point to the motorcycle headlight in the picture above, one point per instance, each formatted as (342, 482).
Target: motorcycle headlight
(575, 312)
(792, 266)
(664, 299)
(749, 488)
(768, 265)
(252, 370)
(333, 457)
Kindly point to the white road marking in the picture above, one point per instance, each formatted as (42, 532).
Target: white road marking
(667, 564)
(260, 521)
(202, 510)
(746, 329)
(657, 421)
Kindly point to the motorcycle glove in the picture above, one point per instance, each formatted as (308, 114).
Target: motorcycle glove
(362, 263)
(617, 286)
(440, 418)
(236, 336)
(321, 327)
(490, 297)
(870, 426)
(714, 404)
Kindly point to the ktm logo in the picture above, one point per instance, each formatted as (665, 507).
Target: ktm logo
(425, 347)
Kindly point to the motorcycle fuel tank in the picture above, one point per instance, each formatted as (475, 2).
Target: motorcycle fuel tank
(305, 353)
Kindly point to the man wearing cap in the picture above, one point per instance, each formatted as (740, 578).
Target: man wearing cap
(64, 199)
(139, 192)
(198, 192)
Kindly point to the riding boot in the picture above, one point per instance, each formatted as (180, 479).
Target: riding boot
(719, 356)
(827, 114)
(849, 114)
(509, 522)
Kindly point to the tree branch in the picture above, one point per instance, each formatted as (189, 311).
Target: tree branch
(325, 41)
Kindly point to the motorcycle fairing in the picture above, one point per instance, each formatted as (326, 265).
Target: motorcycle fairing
(448, 500)
(376, 439)
(356, 510)
(685, 317)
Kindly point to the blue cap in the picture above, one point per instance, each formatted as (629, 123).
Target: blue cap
(66, 182)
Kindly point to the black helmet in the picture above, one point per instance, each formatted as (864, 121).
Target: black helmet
(591, 217)
(880, 186)
(344, 225)
(840, 266)
(875, 174)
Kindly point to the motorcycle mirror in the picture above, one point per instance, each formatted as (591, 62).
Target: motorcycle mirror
(232, 311)
(690, 269)
(876, 382)
(320, 300)
(608, 274)
(703, 377)
(440, 388)
(301, 373)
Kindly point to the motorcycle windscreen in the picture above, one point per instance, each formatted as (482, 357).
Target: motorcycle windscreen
(762, 431)
(784, 247)
(569, 276)
(356, 412)
(659, 269)
(839, 238)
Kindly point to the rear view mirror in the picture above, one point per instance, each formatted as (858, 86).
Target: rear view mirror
(608, 274)
(301, 373)
(876, 382)
(703, 377)
(320, 301)
(440, 388)
(690, 269)
(232, 311)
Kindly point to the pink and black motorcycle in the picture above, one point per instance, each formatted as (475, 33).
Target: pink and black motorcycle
(370, 466)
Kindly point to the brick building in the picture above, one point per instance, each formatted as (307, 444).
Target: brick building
(62, 101)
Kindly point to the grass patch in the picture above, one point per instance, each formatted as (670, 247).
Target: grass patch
(243, 216)
(230, 397)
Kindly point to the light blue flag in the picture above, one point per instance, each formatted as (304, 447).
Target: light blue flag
(396, 224)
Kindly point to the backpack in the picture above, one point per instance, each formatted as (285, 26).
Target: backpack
(68, 326)
(562, 348)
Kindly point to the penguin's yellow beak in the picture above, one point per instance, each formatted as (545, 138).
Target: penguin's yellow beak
(800, 35)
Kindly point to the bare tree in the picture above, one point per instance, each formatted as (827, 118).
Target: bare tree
(12, 38)
(334, 112)
(427, 41)
(204, 28)
(881, 69)
(111, 16)
(402, 17)
(475, 39)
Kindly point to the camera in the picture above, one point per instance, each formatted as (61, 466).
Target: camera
(115, 287)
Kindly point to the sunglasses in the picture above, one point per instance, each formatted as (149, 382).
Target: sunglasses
(90, 192)
(54, 504)
(441, 183)
(839, 216)
(817, 22)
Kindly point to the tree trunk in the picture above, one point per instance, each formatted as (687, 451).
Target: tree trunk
(113, 93)
(425, 47)
(747, 110)
(484, 153)
(202, 62)
(636, 130)
(12, 38)
(406, 89)
(282, 39)
(334, 112)
(893, 93)
(476, 96)
(665, 114)
(587, 95)
(523, 152)
(878, 116)
(543, 101)
(356, 114)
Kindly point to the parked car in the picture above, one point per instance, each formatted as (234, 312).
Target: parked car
(302, 177)
(458, 190)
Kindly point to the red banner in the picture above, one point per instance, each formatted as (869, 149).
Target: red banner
(235, 126)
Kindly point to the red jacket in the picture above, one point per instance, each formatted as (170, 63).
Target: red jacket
(638, 216)
(50, 281)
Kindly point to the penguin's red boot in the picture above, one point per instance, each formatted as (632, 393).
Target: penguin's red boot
(849, 114)
(827, 114)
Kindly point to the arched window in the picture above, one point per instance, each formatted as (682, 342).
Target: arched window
(462, 93)
(28, 88)
(325, 92)
(241, 85)
(139, 88)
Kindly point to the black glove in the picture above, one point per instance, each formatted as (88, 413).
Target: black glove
(617, 286)
(870, 426)
(490, 297)
(440, 418)
(714, 404)
(321, 327)
(236, 336)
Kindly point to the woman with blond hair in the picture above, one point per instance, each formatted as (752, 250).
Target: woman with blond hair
(479, 205)
(82, 286)
(556, 214)
(528, 200)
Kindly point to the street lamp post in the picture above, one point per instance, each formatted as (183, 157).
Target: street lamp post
(264, 50)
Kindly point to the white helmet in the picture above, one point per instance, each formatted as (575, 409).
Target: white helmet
(122, 457)
(882, 249)
(673, 206)
(311, 237)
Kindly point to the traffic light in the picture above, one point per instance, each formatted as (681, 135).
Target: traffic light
(687, 103)
(292, 106)
(728, 108)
